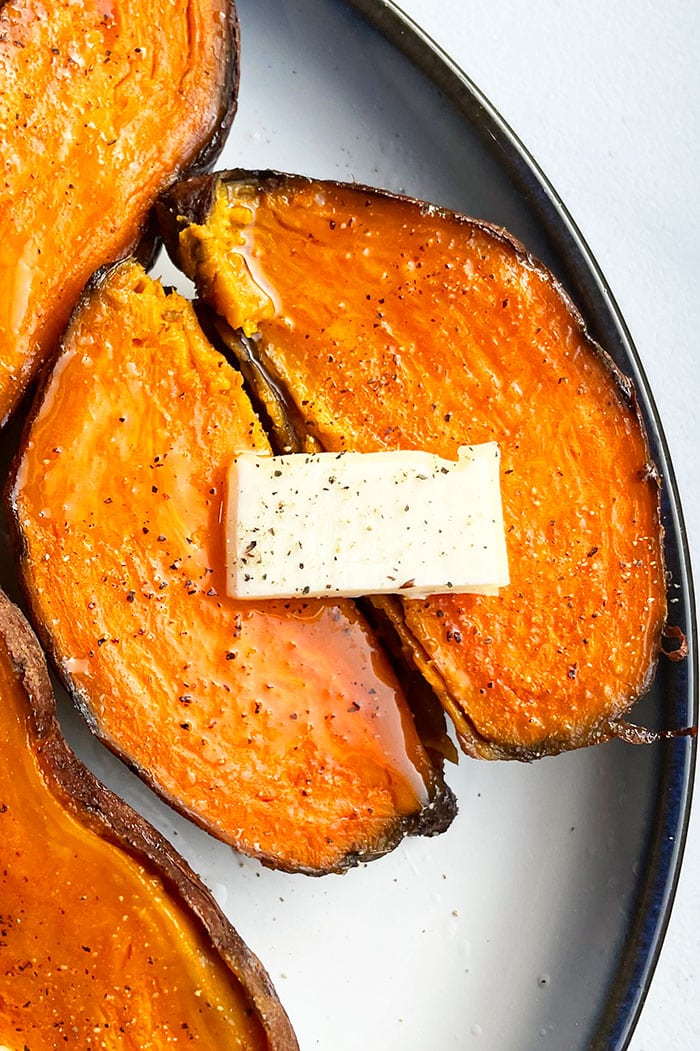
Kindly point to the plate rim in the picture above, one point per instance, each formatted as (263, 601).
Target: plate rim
(657, 881)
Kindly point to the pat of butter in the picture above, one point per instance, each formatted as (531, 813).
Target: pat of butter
(365, 524)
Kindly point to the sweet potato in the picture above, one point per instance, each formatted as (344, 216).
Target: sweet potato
(388, 323)
(102, 105)
(279, 727)
(103, 928)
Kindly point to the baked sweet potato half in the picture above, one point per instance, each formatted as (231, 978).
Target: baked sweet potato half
(102, 105)
(103, 928)
(280, 727)
(388, 323)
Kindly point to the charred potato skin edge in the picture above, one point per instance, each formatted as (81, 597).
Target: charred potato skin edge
(111, 818)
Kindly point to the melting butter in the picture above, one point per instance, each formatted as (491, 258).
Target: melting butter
(353, 524)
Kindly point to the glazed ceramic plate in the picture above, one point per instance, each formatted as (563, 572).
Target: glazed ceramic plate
(536, 920)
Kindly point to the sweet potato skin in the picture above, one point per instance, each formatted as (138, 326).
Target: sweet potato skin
(280, 728)
(421, 328)
(109, 914)
(103, 105)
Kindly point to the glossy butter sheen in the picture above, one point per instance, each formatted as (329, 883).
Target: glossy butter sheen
(97, 948)
(421, 328)
(279, 726)
(357, 524)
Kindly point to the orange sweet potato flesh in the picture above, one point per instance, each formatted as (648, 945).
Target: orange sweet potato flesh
(103, 103)
(392, 324)
(106, 936)
(279, 727)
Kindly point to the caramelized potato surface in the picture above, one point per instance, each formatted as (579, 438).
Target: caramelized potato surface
(388, 323)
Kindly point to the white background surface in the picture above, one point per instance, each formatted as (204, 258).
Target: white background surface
(606, 96)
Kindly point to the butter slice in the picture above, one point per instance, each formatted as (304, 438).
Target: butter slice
(356, 524)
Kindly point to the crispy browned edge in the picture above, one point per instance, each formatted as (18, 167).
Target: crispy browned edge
(114, 820)
(190, 201)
